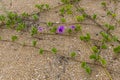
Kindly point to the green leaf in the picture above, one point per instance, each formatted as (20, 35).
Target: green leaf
(105, 36)
(63, 20)
(12, 16)
(69, 31)
(94, 16)
(65, 1)
(34, 42)
(66, 9)
(53, 30)
(34, 31)
(78, 28)
(24, 14)
(69, 12)
(88, 70)
(10, 23)
(21, 26)
(40, 6)
(86, 67)
(103, 61)
(54, 50)
(114, 15)
(83, 64)
(94, 56)
(104, 46)
(41, 51)
(2, 18)
(47, 6)
(95, 49)
(109, 13)
(62, 11)
(103, 4)
(72, 54)
(110, 27)
(80, 18)
(49, 24)
(117, 49)
(35, 17)
(19, 20)
(85, 38)
(115, 38)
(14, 38)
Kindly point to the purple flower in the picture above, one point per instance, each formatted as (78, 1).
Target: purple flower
(72, 27)
(40, 29)
(60, 29)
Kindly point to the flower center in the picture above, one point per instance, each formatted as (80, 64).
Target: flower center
(60, 30)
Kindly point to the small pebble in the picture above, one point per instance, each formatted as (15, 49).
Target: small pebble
(109, 47)
(57, 22)
(96, 75)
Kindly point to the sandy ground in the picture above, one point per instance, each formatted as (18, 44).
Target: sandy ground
(19, 62)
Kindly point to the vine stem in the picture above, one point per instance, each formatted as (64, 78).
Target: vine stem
(104, 68)
(108, 74)
(36, 47)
